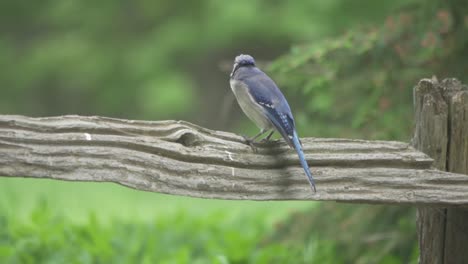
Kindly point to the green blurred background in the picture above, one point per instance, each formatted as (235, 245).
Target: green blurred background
(346, 67)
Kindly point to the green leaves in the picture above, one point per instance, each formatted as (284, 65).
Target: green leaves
(187, 239)
(106, 223)
(359, 84)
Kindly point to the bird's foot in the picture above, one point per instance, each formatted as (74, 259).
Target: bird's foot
(266, 140)
(250, 142)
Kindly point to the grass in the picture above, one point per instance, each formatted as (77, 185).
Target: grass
(45, 221)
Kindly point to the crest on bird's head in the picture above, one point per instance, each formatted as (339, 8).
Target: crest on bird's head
(242, 60)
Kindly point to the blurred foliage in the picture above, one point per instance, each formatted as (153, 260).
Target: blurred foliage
(387, 233)
(147, 59)
(183, 236)
(360, 84)
(351, 75)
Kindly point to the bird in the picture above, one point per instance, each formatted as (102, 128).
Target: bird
(263, 102)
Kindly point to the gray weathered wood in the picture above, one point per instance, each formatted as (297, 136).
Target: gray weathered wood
(180, 158)
(431, 117)
(456, 231)
(441, 131)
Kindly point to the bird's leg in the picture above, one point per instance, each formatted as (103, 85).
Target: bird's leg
(251, 141)
(267, 138)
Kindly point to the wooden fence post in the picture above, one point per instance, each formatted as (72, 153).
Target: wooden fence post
(441, 118)
(456, 232)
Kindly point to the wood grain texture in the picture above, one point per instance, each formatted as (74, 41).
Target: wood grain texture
(431, 118)
(456, 230)
(180, 158)
(441, 111)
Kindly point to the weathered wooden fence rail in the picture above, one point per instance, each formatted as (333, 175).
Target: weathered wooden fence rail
(180, 158)
(183, 159)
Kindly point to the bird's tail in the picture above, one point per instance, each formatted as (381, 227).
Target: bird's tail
(300, 153)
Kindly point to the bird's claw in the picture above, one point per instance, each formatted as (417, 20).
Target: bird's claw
(266, 140)
(250, 142)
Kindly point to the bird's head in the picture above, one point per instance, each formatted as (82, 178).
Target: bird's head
(242, 60)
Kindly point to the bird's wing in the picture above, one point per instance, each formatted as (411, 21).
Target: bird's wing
(266, 94)
(269, 97)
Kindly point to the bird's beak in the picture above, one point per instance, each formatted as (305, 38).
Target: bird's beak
(234, 69)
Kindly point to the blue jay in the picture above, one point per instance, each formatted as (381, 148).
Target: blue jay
(262, 101)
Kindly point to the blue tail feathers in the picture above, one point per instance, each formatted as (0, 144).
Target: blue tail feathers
(300, 153)
(284, 123)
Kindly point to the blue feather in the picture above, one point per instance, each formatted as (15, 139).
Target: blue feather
(300, 153)
(285, 126)
(275, 107)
